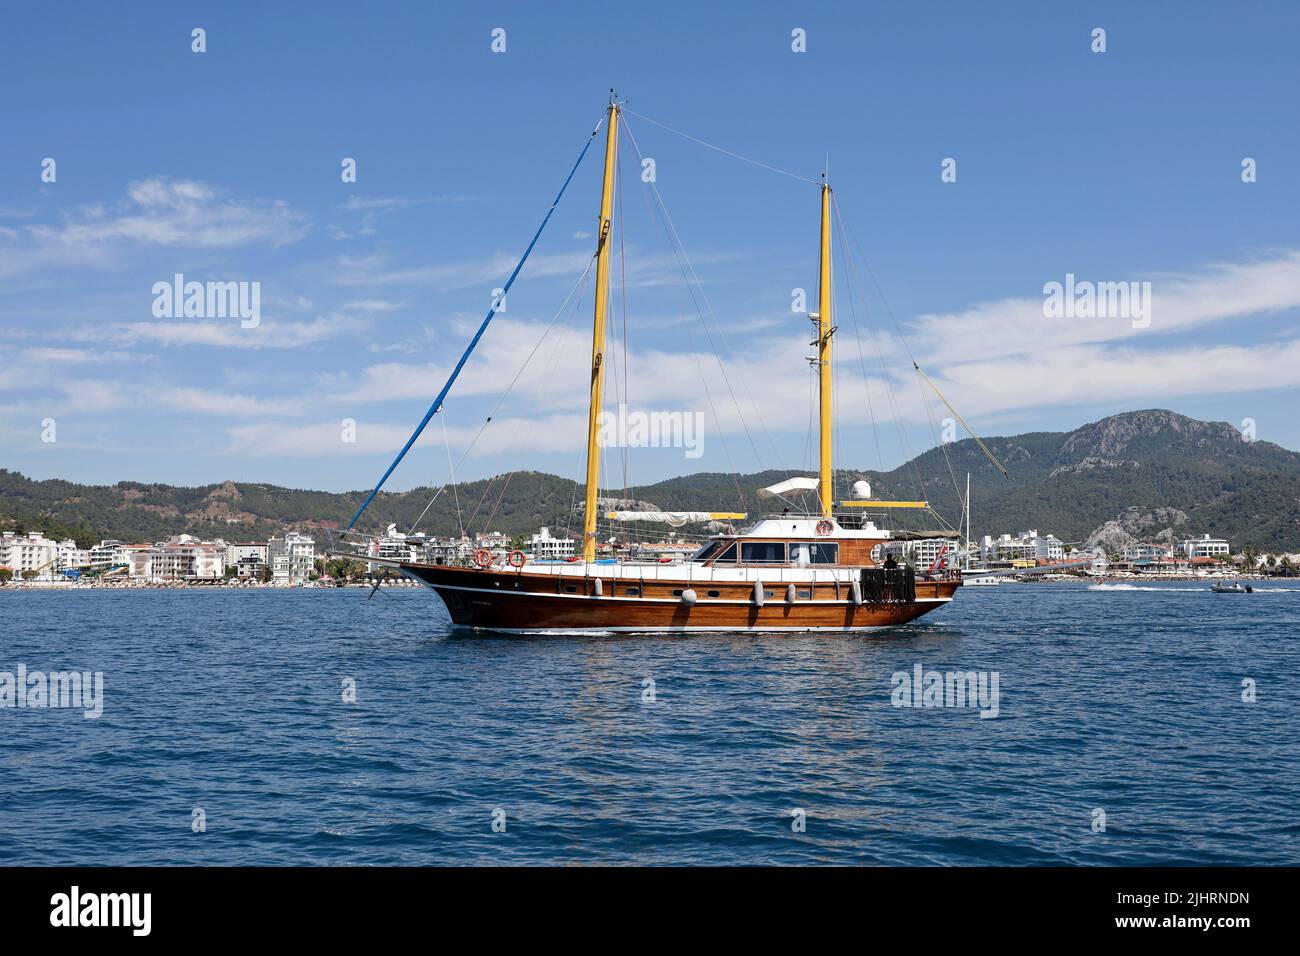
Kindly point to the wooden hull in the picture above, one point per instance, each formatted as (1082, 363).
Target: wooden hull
(536, 602)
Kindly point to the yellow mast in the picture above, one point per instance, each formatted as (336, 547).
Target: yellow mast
(598, 335)
(824, 331)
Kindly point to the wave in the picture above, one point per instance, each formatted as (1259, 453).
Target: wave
(1138, 587)
(1203, 589)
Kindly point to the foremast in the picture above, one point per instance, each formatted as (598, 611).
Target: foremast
(598, 333)
(824, 332)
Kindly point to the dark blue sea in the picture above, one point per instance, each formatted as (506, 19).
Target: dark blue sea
(225, 738)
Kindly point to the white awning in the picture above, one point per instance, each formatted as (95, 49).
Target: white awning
(674, 518)
(787, 486)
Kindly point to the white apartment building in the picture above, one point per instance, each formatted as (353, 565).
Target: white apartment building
(292, 558)
(30, 552)
(108, 554)
(179, 558)
(543, 547)
(447, 550)
(493, 541)
(1025, 546)
(35, 552)
(398, 546)
(923, 553)
(1146, 552)
(248, 558)
(1205, 547)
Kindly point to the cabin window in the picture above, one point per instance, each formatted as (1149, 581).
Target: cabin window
(728, 556)
(715, 594)
(570, 589)
(705, 552)
(803, 595)
(763, 552)
(814, 552)
(677, 593)
(632, 592)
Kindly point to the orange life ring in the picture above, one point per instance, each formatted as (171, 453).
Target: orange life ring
(483, 558)
(824, 527)
(523, 558)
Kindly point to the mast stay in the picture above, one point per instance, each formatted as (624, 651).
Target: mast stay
(473, 343)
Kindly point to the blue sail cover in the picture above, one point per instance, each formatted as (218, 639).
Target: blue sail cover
(437, 402)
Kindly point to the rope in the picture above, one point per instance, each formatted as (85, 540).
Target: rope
(575, 290)
(724, 151)
(473, 343)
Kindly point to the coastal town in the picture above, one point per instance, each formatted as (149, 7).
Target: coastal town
(296, 559)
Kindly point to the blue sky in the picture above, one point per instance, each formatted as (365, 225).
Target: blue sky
(225, 166)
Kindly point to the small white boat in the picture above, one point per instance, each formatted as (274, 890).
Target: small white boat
(984, 581)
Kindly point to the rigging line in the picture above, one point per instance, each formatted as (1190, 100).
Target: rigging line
(943, 445)
(674, 236)
(452, 469)
(576, 289)
(896, 408)
(441, 488)
(554, 356)
(518, 424)
(978, 441)
(704, 380)
(720, 149)
(622, 265)
(507, 476)
(857, 337)
(682, 255)
(437, 402)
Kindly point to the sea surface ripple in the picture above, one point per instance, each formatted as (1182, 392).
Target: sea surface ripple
(231, 702)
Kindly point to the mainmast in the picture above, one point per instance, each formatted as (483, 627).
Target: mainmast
(824, 332)
(598, 334)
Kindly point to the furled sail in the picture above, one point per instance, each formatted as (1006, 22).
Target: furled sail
(675, 519)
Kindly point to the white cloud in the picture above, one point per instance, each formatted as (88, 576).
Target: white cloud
(1017, 326)
(157, 212)
(314, 441)
(229, 333)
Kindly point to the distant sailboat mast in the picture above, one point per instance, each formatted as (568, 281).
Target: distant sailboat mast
(968, 540)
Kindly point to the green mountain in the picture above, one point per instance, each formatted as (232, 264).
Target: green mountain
(1138, 474)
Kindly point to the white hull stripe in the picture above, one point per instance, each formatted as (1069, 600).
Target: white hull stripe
(775, 602)
(687, 628)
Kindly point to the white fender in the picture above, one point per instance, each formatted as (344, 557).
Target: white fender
(789, 594)
(759, 594)
(598, 589)
(688, 597)
(857, 591)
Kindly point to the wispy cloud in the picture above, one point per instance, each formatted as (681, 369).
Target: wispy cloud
(161, 212)
(1016, 326)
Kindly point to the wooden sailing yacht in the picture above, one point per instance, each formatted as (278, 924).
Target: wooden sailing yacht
(786, 572)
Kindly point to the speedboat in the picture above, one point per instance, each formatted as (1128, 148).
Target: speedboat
(1222, 587)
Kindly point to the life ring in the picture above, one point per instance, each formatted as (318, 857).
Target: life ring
(522, 559)
(824, 527)
(483, 558)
